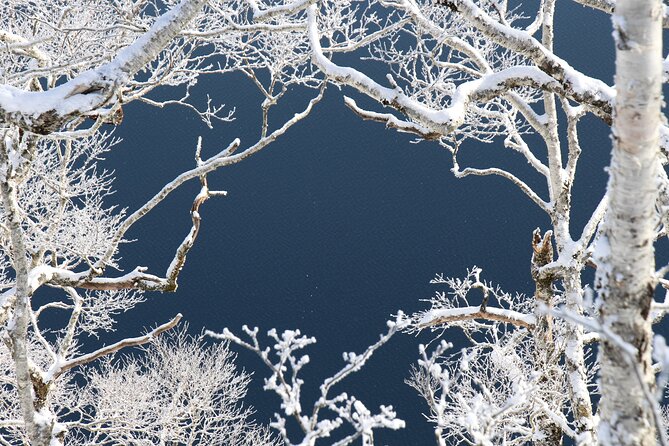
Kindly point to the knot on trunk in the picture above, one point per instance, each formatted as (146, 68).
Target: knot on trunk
(542, 255)
(542, 251)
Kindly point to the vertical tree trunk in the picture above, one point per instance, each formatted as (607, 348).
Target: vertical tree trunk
(18, 326)
(574, 361)
(547, 431)
(625, 255)
(560, 194)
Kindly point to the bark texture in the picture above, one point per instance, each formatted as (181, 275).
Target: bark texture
(626, 254)
(548, 432)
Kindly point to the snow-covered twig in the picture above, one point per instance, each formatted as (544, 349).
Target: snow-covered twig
(284, 381)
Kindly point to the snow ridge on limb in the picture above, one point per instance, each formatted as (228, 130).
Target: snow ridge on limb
(454, 308)
(47, 111)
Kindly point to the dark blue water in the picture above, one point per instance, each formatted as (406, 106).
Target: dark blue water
(336, 226)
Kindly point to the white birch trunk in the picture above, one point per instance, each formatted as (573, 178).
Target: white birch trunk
(625, 271)
(39, 433)
(574, 361)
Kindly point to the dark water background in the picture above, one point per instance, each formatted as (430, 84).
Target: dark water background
(337, 225)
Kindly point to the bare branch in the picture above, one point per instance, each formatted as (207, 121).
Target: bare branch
(546, 207)
(60, 368)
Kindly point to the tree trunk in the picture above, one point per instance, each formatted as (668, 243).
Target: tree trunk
(625, 252)
(17, 328)
(547, 432)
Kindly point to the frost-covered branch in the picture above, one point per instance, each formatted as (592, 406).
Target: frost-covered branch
(447, 309)
(284, 381)
(45, 112)
(176, 390)
(62, 367)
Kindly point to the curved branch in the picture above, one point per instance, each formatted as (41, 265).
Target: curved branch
(546, 207)
(434, 318)
(60, 368)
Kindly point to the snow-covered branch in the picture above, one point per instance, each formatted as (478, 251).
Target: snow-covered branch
(585, 90)
(453, 307)
(438, 318)
(43, 112)
(284, 381)
(59, 368)
(609, 6)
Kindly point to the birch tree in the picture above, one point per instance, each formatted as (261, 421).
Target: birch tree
(482, 71)
(458, 72)
(68, 69)
(463, 73)
(627, 263)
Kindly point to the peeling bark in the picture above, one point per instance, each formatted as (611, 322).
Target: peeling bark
(626, 255)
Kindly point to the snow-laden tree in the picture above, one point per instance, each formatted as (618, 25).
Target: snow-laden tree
(457, 72)
(339, 419)
(486, 71)
(466, 72)
(67, 70)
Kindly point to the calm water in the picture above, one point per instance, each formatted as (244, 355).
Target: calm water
(336, 226)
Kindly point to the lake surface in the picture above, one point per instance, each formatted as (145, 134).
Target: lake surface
(336, 226)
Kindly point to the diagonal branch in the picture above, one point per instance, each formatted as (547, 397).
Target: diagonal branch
(391, 121)
(527, 190)
(60, 368)
(138, 278)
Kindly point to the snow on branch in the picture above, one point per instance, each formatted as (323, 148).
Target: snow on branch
(446, 316)
(609, 6)
(453, 308)
(285, 363)
(20, 45)
(429, 118)
(59, 368)
(577, 86)
(44, 112)
(139, 278)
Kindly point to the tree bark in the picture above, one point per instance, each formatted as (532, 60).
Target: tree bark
(17, 329)
(547, 431)
(625, 252)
